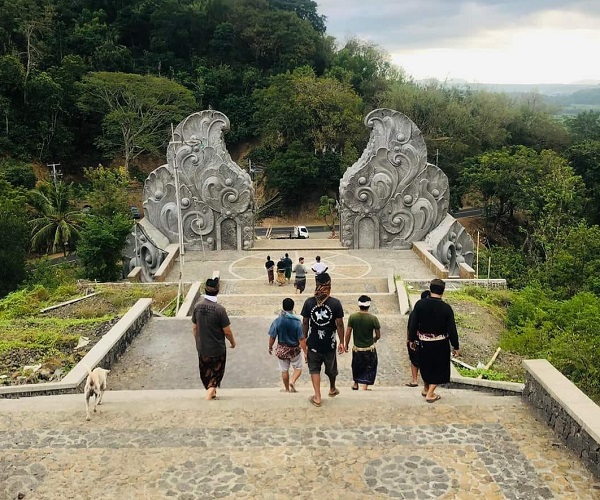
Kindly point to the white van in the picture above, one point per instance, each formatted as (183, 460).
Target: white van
(300, 232)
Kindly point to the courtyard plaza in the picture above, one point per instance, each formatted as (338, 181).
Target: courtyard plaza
(155, 436)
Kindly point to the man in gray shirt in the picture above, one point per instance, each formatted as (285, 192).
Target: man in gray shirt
(300, 271)
(211, 328)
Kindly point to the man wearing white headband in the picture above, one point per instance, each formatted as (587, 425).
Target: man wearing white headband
(367, 331)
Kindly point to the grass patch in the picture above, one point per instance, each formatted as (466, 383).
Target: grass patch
(485, 374)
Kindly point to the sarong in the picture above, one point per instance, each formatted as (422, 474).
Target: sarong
(212, 369)
(434, 361)
(364, 366)
(271, 275)
(300, 283)
(281, 276)
(413, 355)
(288, 273)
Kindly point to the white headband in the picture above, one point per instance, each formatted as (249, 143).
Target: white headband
(364, 304)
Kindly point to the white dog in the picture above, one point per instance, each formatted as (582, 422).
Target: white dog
(95, 385)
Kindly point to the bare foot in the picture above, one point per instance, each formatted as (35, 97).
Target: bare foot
(211, 393)
(292, 388)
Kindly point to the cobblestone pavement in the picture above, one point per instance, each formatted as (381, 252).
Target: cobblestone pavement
(259, 443)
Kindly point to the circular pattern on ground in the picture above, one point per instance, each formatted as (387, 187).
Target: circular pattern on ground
(406, 477)
(214, 478)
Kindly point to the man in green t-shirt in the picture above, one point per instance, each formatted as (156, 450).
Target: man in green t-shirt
(367, 331)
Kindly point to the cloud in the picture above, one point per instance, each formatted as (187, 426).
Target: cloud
(411, 24)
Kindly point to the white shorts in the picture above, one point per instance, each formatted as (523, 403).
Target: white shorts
(296, 363)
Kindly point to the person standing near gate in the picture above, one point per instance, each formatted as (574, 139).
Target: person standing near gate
(432, 324)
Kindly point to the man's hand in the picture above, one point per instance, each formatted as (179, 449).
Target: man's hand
(232, 343)
(270, 350)
(412, 346)
(456, 353)
(340, 349)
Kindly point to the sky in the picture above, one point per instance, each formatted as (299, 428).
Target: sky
(484, 41)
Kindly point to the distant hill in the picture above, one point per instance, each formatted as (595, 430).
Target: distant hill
(550, 89)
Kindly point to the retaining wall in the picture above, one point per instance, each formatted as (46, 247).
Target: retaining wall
(567, 410)
(105, 353)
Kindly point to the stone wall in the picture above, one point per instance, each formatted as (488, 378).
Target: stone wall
(568, 411)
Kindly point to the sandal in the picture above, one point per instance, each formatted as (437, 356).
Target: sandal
(411, 385)
(437, 397)
(334, 393)
(355, 387)
(314, 403)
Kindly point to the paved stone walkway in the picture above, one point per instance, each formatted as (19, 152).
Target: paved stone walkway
(256, 442)
(259, 443)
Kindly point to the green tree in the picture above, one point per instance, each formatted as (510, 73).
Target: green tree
(15, 238)
(322, 113)
(135, 111)
(585, 126)
(56, 221)
(328, 211)
(100, 246)
(294, 173)
(18, 174)
(108, 195)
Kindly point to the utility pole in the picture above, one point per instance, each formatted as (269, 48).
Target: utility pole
(55, 172)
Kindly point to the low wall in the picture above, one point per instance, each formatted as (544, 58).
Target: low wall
(435, 266)
(165, 268)
(567, 410)
(190, 300)
(105, 353)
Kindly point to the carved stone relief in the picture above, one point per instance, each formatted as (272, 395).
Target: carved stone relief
(451, 245)
(145, 248)
(213, 188)
(392, 184)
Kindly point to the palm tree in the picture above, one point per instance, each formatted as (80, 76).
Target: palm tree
(56, 221)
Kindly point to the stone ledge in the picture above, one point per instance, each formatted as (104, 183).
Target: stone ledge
(421, 248)
(403, 300)
(565, 408)
(165, 268)
(190, 300)
(105, 353)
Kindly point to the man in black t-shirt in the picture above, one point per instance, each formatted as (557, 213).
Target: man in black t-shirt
(322, 318)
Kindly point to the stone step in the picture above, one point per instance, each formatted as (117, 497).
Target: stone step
(358, 286)
(252, 400)
(270, 304)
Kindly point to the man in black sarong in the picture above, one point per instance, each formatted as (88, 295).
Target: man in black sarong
(432, 324)
(211, 328)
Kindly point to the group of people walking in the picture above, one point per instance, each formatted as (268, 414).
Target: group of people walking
(318, 335)
(285, 267)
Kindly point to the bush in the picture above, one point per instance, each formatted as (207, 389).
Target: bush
(564, 332)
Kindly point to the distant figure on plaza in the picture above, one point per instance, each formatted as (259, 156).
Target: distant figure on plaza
(211, 328)
(300, 271)
(281, 271)
(288, 267)
(287, 330)
(367, 331)
(270, 266)
(318, 267)
(432, 324)
(413, 353)
(322, 318)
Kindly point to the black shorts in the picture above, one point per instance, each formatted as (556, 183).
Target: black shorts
(316, 359)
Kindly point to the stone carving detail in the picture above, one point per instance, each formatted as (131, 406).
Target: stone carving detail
(392, 183)
(145, 253)
(451, 245)
(213, 188)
